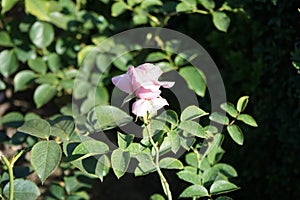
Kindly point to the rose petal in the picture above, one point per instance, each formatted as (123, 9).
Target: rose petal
(123, 82)
(167, 84)
(151, 69)
(142, 106)
(158, 103)
(144, 93)
(145, 74)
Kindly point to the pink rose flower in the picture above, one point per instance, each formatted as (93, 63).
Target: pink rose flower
(142, 81)
(143, 106)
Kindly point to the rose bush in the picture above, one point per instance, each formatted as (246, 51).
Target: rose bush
(41, 52)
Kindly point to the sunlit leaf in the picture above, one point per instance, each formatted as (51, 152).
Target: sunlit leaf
(22, 79)
(36, 127)
(43, 94)
(23, 189)
(194, 191)
(195, 79)
(242, 103)
(236, 134)
(222, 186)
(120, 160)
(41, 34)
(9, 63)
(221, 20)
(192, 112)
(45, 157)
(247, 119)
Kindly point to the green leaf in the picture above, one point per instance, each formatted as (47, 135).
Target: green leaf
(148, 3)
(83, 53)
(89, 148)
(192, 112)
(193, 128)
(45, 157)
(140, 18)
(187, 142)
(226, 169)
(208, 4)
(124, 140)
(54, 62)
(170, 163)
(24, 55)
(102, 167)
(145, 165)
(7, 5)
(103, 62)
(23, 189)
(108, 117)
(5, 40)
(215, 155)
(230, 109)
(179, 61)
(37, 8)
(81, 88)
(2, 85)
(38, 65)
(169, 116)
(120, 160)
(100, 94)
(118, 8)
(175, 141)
(62, 127)
(48, 78)
(221, 20)
(191, 159)
(195, 79)
(186, 5)
(194, 191)
(156, 197)
(236, 134)
(22, 79)
(61, 20)
(87, 165)
(36, 127)
(41, 34)
(123, 61)
(56, 190)
(184, 57)
(134, 148)
(182, 7)
(217, 117)
(156, 56)
(12, 119)
(43, 94)
(210, 175)
(9, 63)
(222, 186)
(220, 171)
(214, 141)
(133, 2)
(242, 103)
(190, 177)
(165, 66)
(247, 119)
(31, 115)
